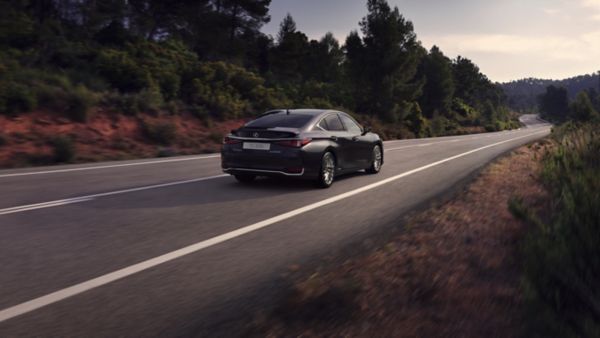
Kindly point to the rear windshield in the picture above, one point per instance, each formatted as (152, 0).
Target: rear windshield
(282, 120)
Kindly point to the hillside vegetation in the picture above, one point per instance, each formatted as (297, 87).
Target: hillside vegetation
(562, 265)
(209, 60)
(522, 95)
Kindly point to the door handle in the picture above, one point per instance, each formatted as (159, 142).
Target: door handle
(355, 138)
(333, 138)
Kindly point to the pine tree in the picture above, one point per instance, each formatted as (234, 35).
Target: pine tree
(439, 84)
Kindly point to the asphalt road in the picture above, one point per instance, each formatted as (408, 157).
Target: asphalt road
(171, 247)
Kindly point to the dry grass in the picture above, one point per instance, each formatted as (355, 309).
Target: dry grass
(454, 271)
(105, 136)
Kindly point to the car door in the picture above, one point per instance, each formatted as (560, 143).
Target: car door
(338, 133)
(360, 144)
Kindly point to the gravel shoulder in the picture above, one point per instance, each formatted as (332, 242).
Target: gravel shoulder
(453, 271)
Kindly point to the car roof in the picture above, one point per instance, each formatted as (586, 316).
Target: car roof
(304, 111)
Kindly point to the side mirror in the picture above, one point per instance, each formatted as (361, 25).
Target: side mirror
(366, 130)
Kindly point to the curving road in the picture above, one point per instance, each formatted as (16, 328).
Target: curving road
(171, 247)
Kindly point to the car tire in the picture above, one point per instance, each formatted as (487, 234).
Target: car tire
(377, 160)
(245, 178)
(327, 170)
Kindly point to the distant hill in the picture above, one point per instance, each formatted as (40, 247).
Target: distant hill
(522, 94)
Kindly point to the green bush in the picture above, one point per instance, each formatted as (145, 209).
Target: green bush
(230, 91)
(121, 71)
(496, 126)
(562, 267)
(127, 104)
(441, 126)
(63, 149)
(166, 61)
(215, 136)
(16, 98)
(150, 99)
(416, 122)
(74, 102)
(161, 133)
(80, 101)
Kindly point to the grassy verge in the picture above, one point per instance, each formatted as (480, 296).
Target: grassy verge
(454, 271)
(562, 266)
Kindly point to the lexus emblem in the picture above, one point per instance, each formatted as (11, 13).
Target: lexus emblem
(256, 134)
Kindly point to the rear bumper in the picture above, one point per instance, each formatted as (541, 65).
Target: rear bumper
(261, 172)
(290, 164)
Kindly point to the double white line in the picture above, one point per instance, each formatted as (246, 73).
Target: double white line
(80, 199)
(108, 166)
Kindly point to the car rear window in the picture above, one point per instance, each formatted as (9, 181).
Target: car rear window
(282, 120)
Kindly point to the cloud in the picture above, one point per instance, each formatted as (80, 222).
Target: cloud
(556, 47)
(593, 6)
(551, 11)
(509, 56)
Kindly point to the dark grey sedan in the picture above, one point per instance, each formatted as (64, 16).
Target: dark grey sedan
(305, 143)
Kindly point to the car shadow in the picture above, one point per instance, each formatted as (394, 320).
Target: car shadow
(221, 190)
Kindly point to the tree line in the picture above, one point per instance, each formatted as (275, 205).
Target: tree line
(522, 95)
(210, 58)
(554, 105)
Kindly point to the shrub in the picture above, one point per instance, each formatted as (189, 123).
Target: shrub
(466, 115)
(165, 152)
(127, 104)
(230, 91)
(416, 122)
(441, 126)
(215, 136)
(80, 101)
(562, 267)
(16, 98)
(74, 102)
(150, 99)
(161, 133)
(173, 107)
(122, 71)
(63, 149)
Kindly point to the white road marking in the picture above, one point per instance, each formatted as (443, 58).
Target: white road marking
(43, 205)
(71, 291)
(424, 144)
(66, 170)
(80, 199)
(50, 204)
(56, 203)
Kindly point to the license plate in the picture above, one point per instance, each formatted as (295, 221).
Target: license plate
(257, 146)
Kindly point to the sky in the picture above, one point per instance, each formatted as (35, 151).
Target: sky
(507, 39)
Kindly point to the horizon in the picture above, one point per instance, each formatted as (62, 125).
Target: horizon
(547, 40)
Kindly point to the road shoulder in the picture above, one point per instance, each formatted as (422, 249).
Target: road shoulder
(453, 271)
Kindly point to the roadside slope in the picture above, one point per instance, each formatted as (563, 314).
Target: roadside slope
(452, 272)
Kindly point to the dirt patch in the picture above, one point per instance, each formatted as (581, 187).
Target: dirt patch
(27, 138)
(453, 272)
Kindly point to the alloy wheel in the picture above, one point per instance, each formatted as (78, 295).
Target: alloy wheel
(327, 169)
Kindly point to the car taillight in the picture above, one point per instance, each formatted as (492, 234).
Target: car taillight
(294, 143)
(229, 140)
